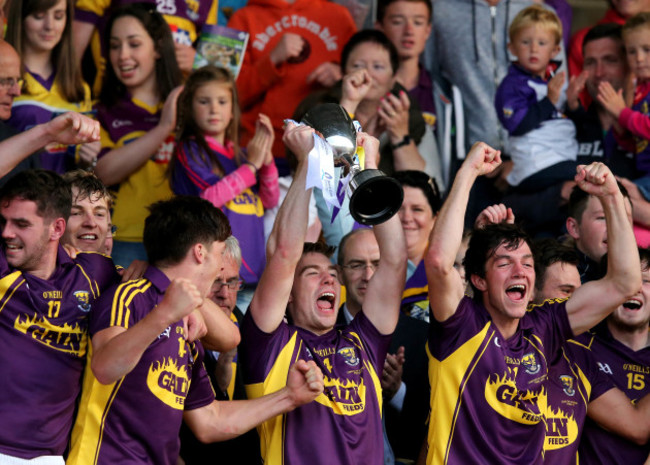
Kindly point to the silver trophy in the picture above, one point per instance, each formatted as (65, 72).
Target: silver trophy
(374, 197)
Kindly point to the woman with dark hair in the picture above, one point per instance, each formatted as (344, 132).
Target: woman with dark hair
(137, 111)
(421, 204)
(40, 31)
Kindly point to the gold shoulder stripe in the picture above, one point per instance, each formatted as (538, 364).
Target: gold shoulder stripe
(122, 293)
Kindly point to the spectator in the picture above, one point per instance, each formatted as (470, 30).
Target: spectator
(418, 215)
(382, 106)
(137, 139)
(634, 122)
(185, 19)
(495, 323)
(618, 13)
(586, 226)
(403, 380)
(207, 161)
(604, 61)
(407, 23)
(468, 47)
(294, 49)
(529, 102)
(41, 33)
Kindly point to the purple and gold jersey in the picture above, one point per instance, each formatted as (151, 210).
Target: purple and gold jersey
(121, 124)
(343, 425)
(43, 342)
(245, 211)
(136, 420)
(630, 372)
(415, 298)
(488, 395)
(41, 101)
(574, 381)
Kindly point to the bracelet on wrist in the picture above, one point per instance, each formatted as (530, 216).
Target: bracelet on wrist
(406, 140)
(251, 164)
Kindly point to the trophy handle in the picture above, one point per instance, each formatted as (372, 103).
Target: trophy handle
(375, 197)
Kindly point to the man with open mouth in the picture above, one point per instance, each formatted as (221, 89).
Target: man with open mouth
(489, 355)
(343, 425)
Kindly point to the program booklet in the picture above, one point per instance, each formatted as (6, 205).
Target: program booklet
(221, 46)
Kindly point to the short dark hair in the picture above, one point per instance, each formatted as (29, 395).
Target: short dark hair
(174, 226)
(318, 247)
(88, 185)
(383, 4)
(424, 182)
(601, 31)
(547, 252)
(46, 189)
(370, 36)
(579, 199)
(483, 243)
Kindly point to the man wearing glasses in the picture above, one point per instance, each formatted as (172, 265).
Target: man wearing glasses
(403, 381)
(223, 369)
(70, 128)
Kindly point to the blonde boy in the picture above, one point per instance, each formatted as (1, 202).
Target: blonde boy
(542, 141)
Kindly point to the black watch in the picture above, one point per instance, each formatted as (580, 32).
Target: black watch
(405, 141)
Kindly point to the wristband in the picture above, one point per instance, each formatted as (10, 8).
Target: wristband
(254, 167)
(406, 140)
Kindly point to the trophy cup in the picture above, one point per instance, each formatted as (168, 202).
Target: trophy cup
(374, 197)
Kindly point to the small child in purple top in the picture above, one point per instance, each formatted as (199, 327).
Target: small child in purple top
(207, 161)
(542, 141)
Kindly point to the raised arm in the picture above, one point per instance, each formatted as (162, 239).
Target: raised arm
(69, 129)
(118, 164)
(117, 350)
(284, 247)
(445, 286)
(594, 300)
(382, 302)
(220, 421)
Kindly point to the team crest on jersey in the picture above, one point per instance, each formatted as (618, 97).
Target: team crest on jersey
(530, 364)
(567, 385)
(83, 298)
(349, 355)
(507, 112)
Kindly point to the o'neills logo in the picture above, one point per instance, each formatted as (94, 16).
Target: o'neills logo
(68, 338)
(169, 383)
(520, 406)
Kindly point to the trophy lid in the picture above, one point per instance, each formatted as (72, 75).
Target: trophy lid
(336, 126)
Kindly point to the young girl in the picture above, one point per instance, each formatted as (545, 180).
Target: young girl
(137, 140)
(207, 162)
(41, 33)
